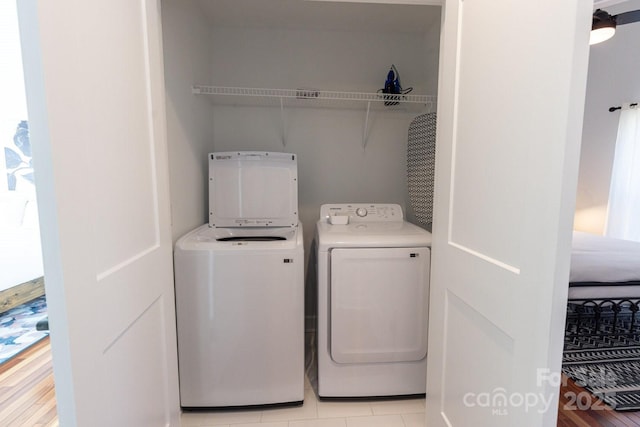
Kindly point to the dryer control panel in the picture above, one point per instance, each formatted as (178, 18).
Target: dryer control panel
(344, 213)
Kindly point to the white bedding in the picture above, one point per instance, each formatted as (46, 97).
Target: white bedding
(604, 259)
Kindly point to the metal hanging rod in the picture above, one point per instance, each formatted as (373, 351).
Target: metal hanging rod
(612, 109)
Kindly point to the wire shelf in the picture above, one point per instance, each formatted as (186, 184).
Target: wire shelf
(317, 98)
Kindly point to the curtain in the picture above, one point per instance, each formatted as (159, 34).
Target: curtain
(623, 218)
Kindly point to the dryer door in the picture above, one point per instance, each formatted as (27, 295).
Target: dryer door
(379, 304)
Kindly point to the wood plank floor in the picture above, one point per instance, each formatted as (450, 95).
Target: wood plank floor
(572, 410)
(27, 396)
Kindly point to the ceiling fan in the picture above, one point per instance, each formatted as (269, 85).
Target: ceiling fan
(603, 26)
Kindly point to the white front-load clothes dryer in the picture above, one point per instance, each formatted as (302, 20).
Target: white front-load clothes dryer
(240, 290)
(373, 288)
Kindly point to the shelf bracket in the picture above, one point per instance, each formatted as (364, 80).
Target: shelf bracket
(283, 123)
(365, 131)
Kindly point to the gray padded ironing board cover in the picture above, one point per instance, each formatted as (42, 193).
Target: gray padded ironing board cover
(421, 161)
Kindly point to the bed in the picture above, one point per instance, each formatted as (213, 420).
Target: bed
(604, 292)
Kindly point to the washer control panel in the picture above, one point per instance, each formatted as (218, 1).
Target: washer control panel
(344, 213)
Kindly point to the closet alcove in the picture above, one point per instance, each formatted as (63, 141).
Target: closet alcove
(347, 151)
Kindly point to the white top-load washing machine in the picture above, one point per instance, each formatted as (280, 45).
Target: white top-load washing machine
(373, 289)
(239, 287)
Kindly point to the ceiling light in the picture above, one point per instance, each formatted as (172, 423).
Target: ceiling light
(601, 34)
(603, 27)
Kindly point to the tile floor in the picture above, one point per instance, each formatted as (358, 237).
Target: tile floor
(316, 413)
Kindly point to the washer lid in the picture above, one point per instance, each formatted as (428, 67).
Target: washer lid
(253, 189)
(205, 238)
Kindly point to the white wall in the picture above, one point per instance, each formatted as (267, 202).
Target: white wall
(187, 58)
(613, 79)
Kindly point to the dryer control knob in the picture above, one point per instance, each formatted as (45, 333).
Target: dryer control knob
(361, 212)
